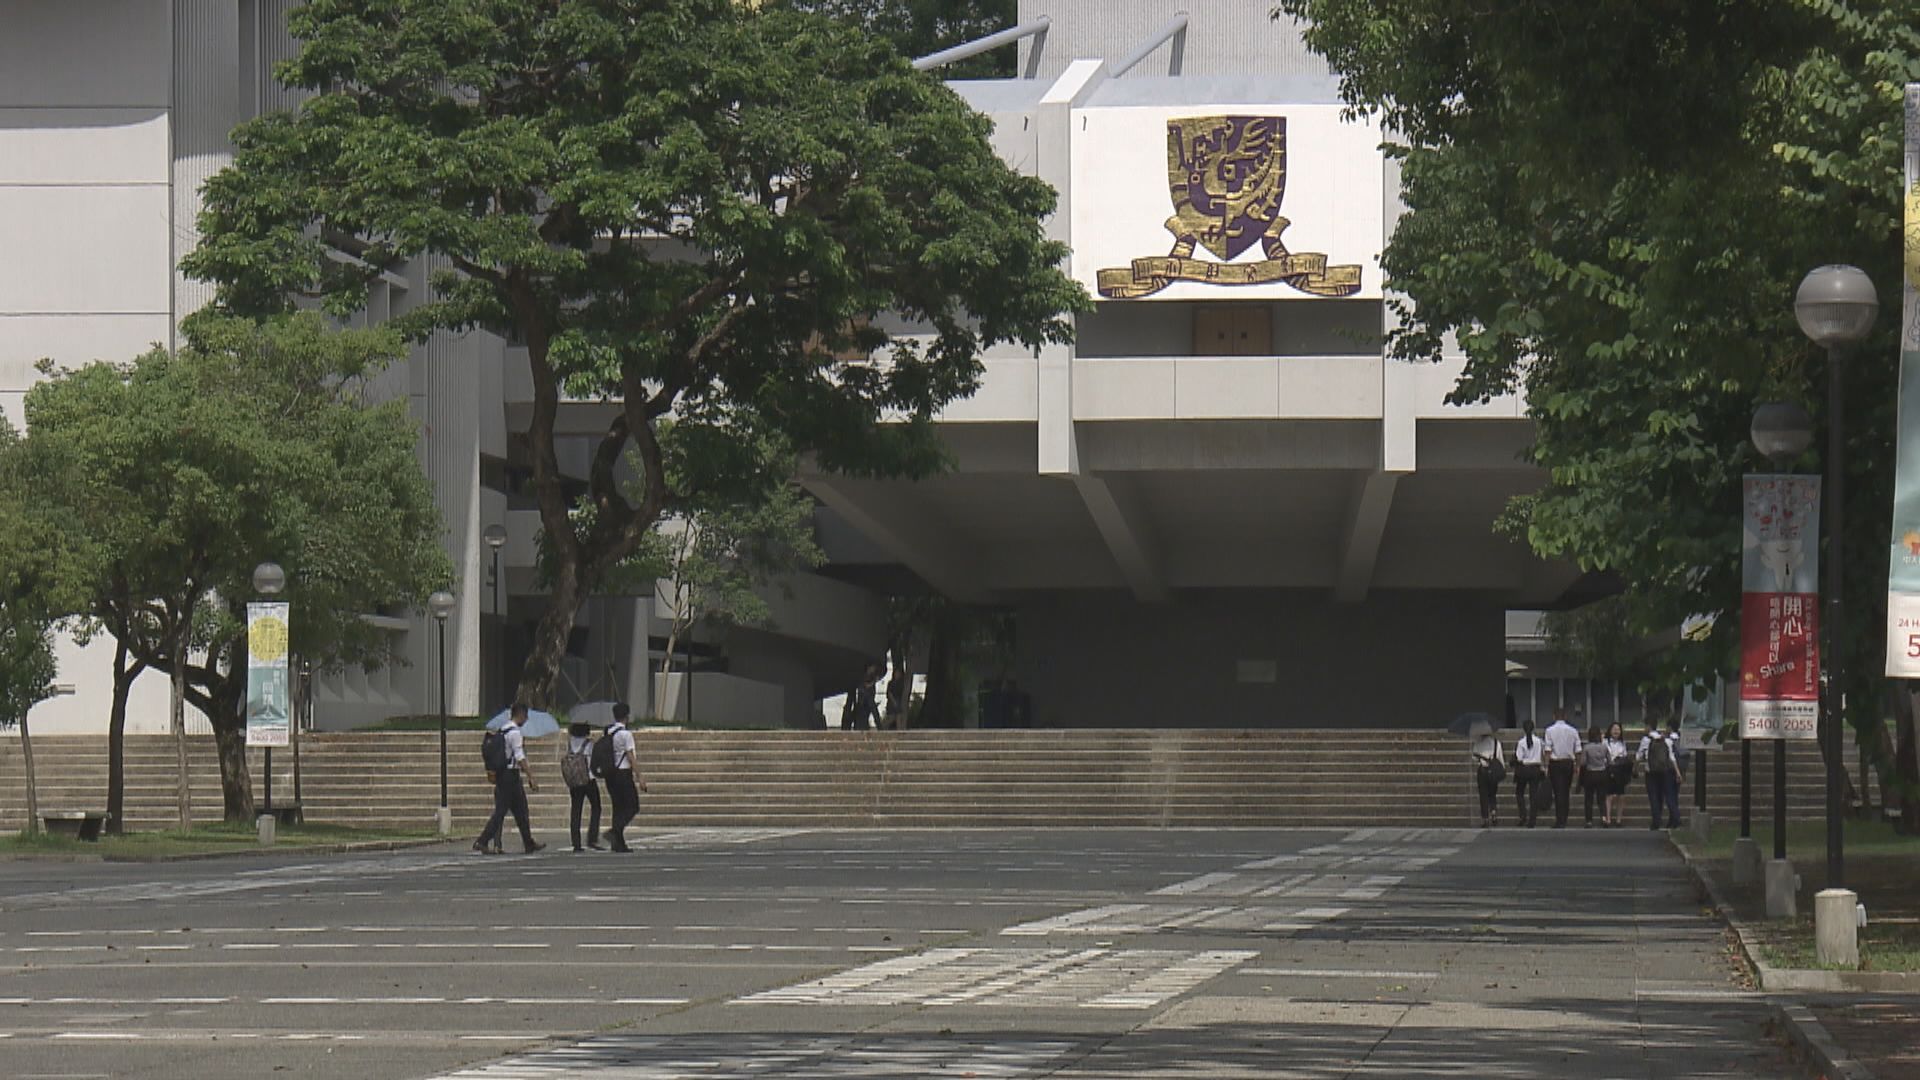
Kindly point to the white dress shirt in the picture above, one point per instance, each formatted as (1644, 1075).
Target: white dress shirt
(1563, 741)
(516, 747)
(1527, 751)
(622, 746)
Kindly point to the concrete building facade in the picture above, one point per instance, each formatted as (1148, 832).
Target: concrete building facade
(1223, 506)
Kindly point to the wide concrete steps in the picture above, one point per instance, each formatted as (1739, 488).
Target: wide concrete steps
(1023, 779)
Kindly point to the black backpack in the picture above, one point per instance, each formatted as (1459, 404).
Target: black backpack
(601, 759)
(493, 751)
(1660, 756)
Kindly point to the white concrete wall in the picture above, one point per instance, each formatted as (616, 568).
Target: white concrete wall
(85, 245)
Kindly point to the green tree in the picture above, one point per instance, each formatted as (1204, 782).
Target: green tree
(686, 208)
(185, 472)
(38, 564)
(1609, 209)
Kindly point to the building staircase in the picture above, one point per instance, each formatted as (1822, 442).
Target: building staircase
(1081, 777)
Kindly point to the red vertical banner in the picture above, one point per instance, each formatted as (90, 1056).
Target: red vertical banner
(1779, 608)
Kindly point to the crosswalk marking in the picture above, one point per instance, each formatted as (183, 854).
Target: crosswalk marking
(743, 1056)
(1084, 978)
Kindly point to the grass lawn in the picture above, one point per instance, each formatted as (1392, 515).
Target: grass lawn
(1882, 866)
(1808, 840)
(203, 840)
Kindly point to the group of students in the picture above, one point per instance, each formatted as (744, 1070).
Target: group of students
(584, 762)
(1601, 764)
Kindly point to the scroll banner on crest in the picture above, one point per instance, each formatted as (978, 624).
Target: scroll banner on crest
(1903, 565)
(1780, 607)
(269, 711)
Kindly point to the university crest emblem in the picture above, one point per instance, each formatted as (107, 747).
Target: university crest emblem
(1226, 175)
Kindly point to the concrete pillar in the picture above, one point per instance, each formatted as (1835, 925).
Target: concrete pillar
(443, 820)
(1836, 933)
(1746, 861)
(1701, 823)
(267, 824)
(1782, 885)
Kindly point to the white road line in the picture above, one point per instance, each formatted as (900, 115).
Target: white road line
(1333, 973)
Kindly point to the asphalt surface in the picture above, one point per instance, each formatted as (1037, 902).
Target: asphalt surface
(725, 954)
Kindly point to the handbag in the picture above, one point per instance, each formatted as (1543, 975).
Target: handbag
(1493, 769)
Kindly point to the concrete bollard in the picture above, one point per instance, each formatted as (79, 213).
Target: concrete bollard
(1702, 825)
(267, 824)
(443, 819)
(1782, 884)
(1836, 932)
(1746, 861)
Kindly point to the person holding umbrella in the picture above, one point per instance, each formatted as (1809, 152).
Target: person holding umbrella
(508, 793)
(1489, 762)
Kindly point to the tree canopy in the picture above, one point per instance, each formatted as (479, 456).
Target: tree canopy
(184, 472)
(1609, 209)
(692, 209)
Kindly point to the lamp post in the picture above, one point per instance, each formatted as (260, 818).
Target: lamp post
(496, 537)
(1835, 306)
(270, 580)
(441, 605)
(1781, 431)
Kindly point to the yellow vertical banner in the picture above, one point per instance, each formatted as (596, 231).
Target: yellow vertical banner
(269, 705)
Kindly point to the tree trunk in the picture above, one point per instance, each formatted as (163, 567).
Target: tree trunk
(227, 697)
(33, 784)
(666, 668)
(900, 679)
(549, 647)
(942, 706)
(236, 783)
(1906, 759)
(123, 677)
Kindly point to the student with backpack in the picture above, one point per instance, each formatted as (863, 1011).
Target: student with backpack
(613, 762)
(505, 755)
(576, 769)
(1656, 753)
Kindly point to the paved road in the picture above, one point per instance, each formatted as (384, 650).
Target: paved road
(812, 955)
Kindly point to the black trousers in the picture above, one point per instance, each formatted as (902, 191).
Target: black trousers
(1560, 774)
(509, 796)
(1489, 793)
(588, 793)
(1525, 779)
(626, 803)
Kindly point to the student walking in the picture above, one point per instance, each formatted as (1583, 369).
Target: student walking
(1527, 772)
(582, 790)
(1563, 755)
(621, 778)
(1619, 773)
(1595, 782)
(1656, 753)
(509, 796)
(1490, 767)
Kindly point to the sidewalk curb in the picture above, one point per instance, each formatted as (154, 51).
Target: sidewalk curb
(276, 849)
(237, 853)
(1810, 1036)
(1796, 980)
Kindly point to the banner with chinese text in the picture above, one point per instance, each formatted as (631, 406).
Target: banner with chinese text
(1779, 608)
(269, 710)
(1903, 567)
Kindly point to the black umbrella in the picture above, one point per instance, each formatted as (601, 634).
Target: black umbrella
(1465, 723)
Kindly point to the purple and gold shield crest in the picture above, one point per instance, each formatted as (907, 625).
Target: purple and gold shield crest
(1227, 175)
